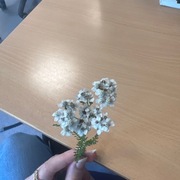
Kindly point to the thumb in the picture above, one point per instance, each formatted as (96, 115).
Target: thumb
(76, 170)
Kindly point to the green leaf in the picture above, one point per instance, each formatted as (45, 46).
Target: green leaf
(56, 125)
(92, 141)
(82, 145)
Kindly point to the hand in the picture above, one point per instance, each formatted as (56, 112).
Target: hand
(75, 171)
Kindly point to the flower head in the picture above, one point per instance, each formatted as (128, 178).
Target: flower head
(83, 128)
(85, 113)
(66, 119)
(85, 97)
(102, 123)
(97, 111)
(69, 105)
(105, 89)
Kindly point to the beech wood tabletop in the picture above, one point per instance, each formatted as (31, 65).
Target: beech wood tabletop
(65, 45)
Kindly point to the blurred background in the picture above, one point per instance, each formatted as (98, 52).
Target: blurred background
(12, 13)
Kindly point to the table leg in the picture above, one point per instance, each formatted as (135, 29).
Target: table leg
(21, 9)
(2, 5)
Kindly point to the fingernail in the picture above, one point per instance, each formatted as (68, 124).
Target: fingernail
(93, 151)
(81, 163)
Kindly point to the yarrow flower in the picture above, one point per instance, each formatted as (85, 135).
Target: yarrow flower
(69, 105)
(80, 117)
(85, 113)
(66, 119)
(105, 89)
(102, 123)
(85, 97)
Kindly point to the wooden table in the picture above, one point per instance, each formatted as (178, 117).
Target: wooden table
(65, 45)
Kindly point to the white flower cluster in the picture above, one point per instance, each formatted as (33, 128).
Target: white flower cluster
(102, 123)
(105, 89)
(80, 117)
(85, 97)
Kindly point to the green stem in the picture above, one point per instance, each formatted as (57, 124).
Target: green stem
(82, 144)
(56, 125)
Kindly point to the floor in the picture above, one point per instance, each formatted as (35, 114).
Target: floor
(9, 18)
(7, 120)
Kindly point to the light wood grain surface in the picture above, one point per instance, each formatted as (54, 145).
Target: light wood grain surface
(64, 45)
